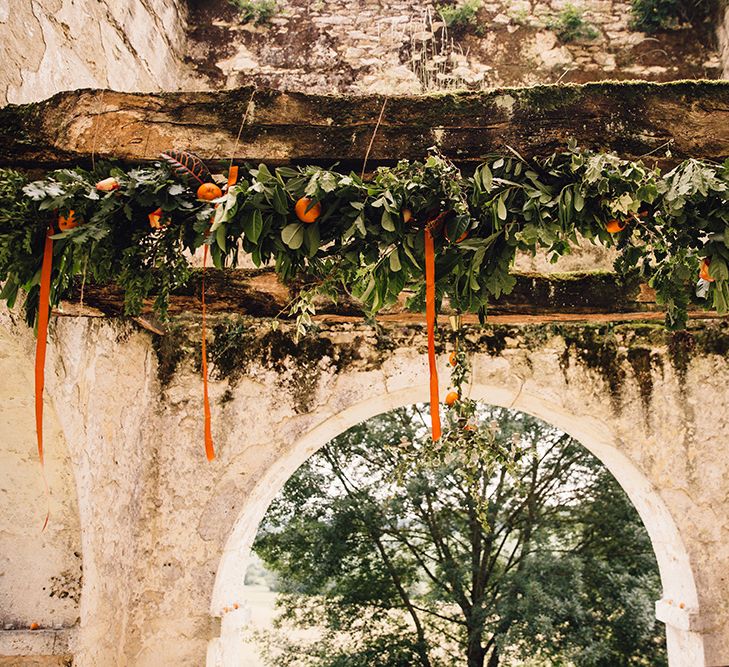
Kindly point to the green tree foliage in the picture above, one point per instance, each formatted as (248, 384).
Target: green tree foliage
(398, 566)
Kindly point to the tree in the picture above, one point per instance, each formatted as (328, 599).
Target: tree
(405, 559)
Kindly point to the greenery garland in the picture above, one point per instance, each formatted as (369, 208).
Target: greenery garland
(134, 227)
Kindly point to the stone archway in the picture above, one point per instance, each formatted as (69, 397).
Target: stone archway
(685, 646)
(164, 532)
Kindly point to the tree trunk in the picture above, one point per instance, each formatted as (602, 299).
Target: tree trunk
(474, 650)
(494, 657)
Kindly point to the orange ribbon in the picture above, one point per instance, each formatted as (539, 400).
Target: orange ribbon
(209, 448)
(40, 350)
(430, 320)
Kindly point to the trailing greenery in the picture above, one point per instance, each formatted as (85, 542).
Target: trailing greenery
(570, 25)
(368, 238)
(255, 11)
(653, 15)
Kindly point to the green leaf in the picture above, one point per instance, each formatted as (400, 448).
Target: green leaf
(579, 201)
(395, 261)
(311, 239)
(280, 202)
(293, 235)
(387, 223)
(487, 178)
(718, 268)
(220, 237)
(501, 207)
(253, 226)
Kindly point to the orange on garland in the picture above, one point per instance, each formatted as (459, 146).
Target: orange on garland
(34, 626)
(453, 359)
(615, 226)
(451, 398)
(108, 184)
(67, 222)
(407, 215)
(704, 270)
(209, 191)
(306, 212)
(155, 219)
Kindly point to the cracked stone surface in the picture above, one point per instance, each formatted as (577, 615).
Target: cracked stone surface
(52, 45)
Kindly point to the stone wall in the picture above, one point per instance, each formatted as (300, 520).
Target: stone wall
(52, 45)
(165, 534)
(40, 570)
(399, 46)
(722, 32)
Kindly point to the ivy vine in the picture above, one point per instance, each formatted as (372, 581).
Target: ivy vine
(136, 227)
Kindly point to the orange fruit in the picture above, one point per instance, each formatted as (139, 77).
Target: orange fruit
(108, 184)
(615, 226)
(209, 191)
(704, 270)
(407, 215)
(34, 626)
(451, 398)
(470, 427)
(155, 219)
(453, 359)
(235, 605)
(312, 215)
(67, 222)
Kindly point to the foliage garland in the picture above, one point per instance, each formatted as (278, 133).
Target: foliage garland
(368, 237)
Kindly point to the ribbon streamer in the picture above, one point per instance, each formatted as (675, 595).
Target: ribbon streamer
(209, 448)
(430, 319)
(40, 352)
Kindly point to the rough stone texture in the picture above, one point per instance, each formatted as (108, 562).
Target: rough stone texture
(722, 33)
(400, 47)
(155, 586)
(51, 45)
(634, 119)
(40, 572)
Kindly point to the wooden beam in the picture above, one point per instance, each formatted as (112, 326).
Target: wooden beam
(632, 119)
(258, 293)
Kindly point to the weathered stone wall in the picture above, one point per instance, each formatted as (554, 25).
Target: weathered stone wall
(722, 33)
(51, 45)
(399, 47)
(40, 571)
(165, 534)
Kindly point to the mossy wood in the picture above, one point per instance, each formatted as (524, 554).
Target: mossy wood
(599, 296)
(632, 119)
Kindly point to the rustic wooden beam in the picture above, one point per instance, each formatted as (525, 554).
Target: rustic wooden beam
(630, 118)
(560, 297)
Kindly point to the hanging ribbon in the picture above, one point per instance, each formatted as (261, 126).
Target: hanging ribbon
(40, 352)
(430, 320)
(209, 448)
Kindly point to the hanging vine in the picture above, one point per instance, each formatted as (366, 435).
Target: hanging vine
(135, 227)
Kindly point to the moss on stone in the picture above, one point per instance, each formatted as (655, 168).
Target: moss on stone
(640, 359)
(596, 347)
(171, 350)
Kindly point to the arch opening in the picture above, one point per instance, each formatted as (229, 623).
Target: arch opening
(684, 642)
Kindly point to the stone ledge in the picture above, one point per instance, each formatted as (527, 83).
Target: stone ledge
(36, 643)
